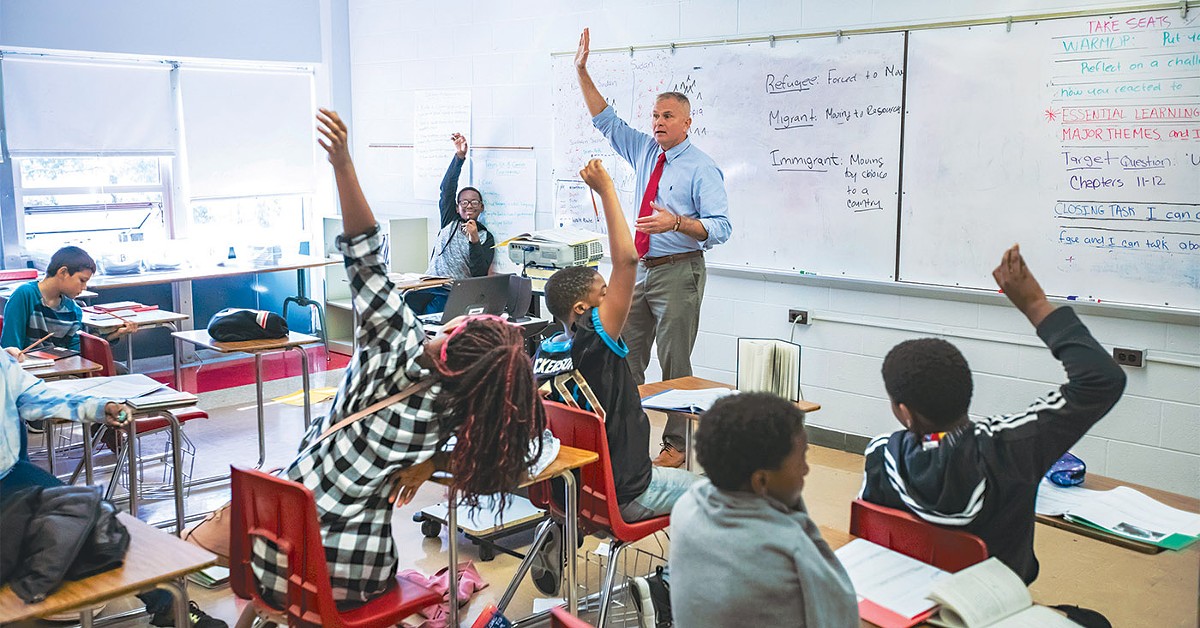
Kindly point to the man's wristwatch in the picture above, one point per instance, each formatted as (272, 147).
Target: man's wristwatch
(678, 219)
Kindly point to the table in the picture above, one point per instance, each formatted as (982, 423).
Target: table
(1101, 483)
(697, 383)
(568, 459)
(155, 560)
(149, 319)
(208, 271)
(293, 341)
(66, 367)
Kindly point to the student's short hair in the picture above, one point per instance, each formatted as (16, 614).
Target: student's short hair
(677, 97)
(73, 258)
(744, 433)
(567, 287)
(473, 189)
(931, 377)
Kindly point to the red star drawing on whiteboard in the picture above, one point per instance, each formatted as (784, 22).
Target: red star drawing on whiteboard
(1051, 115)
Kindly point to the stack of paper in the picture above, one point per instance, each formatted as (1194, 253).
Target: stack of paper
(693, 401)
(31, 363)
(892, 588)
(1122, 511)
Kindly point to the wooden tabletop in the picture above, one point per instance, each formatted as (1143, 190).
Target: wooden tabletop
(208, 271)
(1101, 483)
(67, 367)
(148, 318)
(696, 383)
(200, 337)
(154, 557)
(568, 458)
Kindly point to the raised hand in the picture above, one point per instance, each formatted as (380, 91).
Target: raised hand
(596, 176)
(336, 137)
(460, 144)
(471, 228)
(1019, 285)
(581, 55)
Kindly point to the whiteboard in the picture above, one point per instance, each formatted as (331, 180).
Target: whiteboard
(1078, 138)
(806, 132)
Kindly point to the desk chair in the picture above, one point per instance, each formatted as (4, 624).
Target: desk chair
(951, 550)
(598, 509)
(560, 618)
(284, 513)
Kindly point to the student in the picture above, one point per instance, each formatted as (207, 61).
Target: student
(480, 388)
(464, 248)
(25, 397)
(593, 314)
(981, 475)
(744, 551)
(48, 306)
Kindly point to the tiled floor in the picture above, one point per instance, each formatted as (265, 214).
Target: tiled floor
(1130, 589)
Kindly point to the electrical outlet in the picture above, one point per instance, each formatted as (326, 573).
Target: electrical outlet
(798, 316)
(1135, 358)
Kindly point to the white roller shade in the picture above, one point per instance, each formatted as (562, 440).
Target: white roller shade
(82, 107)
(248, 132)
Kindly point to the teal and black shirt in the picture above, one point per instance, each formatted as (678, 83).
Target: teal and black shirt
(27, 318)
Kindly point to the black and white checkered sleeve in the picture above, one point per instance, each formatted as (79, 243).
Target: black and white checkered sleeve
(383, 316)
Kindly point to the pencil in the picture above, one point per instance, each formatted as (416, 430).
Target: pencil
(594, 208)
(36, 343)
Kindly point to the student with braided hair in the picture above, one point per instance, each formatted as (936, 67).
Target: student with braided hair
(473, 381)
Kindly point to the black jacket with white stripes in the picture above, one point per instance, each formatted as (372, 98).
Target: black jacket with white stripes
(983, 477)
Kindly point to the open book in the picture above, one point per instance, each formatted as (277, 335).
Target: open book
(892, 588)
(769, 365)
(692, 401)
(1122, 511)
(990, 594)
(561, 235)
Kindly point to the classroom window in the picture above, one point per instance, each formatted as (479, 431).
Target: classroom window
(95, 202)
(251, 220)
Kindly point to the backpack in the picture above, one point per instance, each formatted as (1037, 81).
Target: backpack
(236, 324)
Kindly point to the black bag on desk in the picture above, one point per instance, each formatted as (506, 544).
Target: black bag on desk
(234, 325)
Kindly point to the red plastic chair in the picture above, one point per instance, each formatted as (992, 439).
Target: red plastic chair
(951, 550)
(598, 510)
(284, 513)
(560, 618)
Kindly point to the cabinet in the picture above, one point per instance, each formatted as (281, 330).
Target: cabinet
(408, 252)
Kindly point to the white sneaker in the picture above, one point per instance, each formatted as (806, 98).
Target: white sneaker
(73, 616)
(639, 592)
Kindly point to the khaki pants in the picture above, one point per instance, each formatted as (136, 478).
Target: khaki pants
(666, 308)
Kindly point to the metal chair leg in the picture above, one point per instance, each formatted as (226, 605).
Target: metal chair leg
(610, 577)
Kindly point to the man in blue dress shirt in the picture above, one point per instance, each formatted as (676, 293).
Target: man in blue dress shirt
(683, 211)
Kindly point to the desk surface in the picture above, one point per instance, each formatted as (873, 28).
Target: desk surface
(154, 557)
(696, 383)
(66, 367)
(568, 458)
(148, 318)
(200, 338)
(209, 271)
(1101, 483)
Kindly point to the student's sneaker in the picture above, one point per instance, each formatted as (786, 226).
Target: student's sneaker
(73, 616)
(36, 427)
(651, 597)
(546, 570)
(670, 457)
(199, 619)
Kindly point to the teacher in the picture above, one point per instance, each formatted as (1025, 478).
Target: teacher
(683, 211)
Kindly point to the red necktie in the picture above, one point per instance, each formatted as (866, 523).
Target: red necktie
(641, 241)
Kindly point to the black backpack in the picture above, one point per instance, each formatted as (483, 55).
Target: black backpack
(235, 324)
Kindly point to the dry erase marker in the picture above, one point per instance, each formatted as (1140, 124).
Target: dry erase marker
(1072, 298)
(594, 208)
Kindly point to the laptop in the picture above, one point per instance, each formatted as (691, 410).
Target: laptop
(477, 295)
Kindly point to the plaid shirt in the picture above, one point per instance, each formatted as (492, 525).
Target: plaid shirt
(349, 472)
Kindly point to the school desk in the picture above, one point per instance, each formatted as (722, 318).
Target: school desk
(293, 341)
(696, 383)
(1101, 483)
(66, 367)
(155, 560)
(104, 324)
(568, 459)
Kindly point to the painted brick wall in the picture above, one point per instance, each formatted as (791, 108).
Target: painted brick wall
(500, 50)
